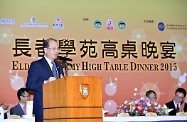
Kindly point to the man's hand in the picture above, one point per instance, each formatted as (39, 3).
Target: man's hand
(181, 109)
(4, 106)
(51, 79)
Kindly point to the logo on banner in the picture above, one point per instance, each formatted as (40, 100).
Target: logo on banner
(58, 24)
(109, 25)
(121, 25)
(7, 21)
(97, 24)
(32, 19)
(33, 24)
(84, 90)
(161, 26)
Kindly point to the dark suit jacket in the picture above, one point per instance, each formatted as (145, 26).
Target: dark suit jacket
(17, 110)
(171, 105)
(38, 72)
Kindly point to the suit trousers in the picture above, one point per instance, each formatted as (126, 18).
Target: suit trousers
(39, 118)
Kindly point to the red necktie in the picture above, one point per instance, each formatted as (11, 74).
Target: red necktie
(24, 109)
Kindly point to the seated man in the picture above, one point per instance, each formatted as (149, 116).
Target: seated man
(5, 107)
(151, 95)
(178, 104)
(20, 108)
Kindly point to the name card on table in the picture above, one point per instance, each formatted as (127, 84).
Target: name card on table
(151, 114)
(181, 114)
(29, 108)
(123, 115)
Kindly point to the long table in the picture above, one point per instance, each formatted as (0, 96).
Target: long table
(18, 120)
(121, 119)
(146, 119)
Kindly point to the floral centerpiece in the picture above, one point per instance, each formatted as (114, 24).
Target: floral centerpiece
(140, 107)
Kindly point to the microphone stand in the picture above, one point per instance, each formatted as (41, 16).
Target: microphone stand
(64, 61)
(66, 67)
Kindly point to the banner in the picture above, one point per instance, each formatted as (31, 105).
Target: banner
(133, 45)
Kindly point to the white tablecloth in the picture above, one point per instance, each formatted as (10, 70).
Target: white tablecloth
(18, 120)
(143, 118)
(117, 119)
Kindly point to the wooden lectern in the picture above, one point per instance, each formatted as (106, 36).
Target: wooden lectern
(73, 99)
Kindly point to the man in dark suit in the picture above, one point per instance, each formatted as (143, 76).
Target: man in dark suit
(43, 71)
(178, 104)
(20, 108)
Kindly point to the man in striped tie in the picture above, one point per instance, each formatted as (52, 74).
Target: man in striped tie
(44, 70)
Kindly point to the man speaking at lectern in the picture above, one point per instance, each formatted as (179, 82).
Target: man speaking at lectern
(43, 71)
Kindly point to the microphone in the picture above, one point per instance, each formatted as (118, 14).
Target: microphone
(64, 58)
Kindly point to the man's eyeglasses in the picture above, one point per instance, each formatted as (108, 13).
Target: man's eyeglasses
(26, 96)
(53, 48)
(181, 98)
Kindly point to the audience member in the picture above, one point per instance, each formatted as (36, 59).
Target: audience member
(151, 95)
(20, 108)
(178, 104)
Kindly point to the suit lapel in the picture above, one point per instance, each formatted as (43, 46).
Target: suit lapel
(46, 67)
(20, 110)
(173, 105)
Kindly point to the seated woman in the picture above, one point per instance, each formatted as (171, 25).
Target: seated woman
(151, 95)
